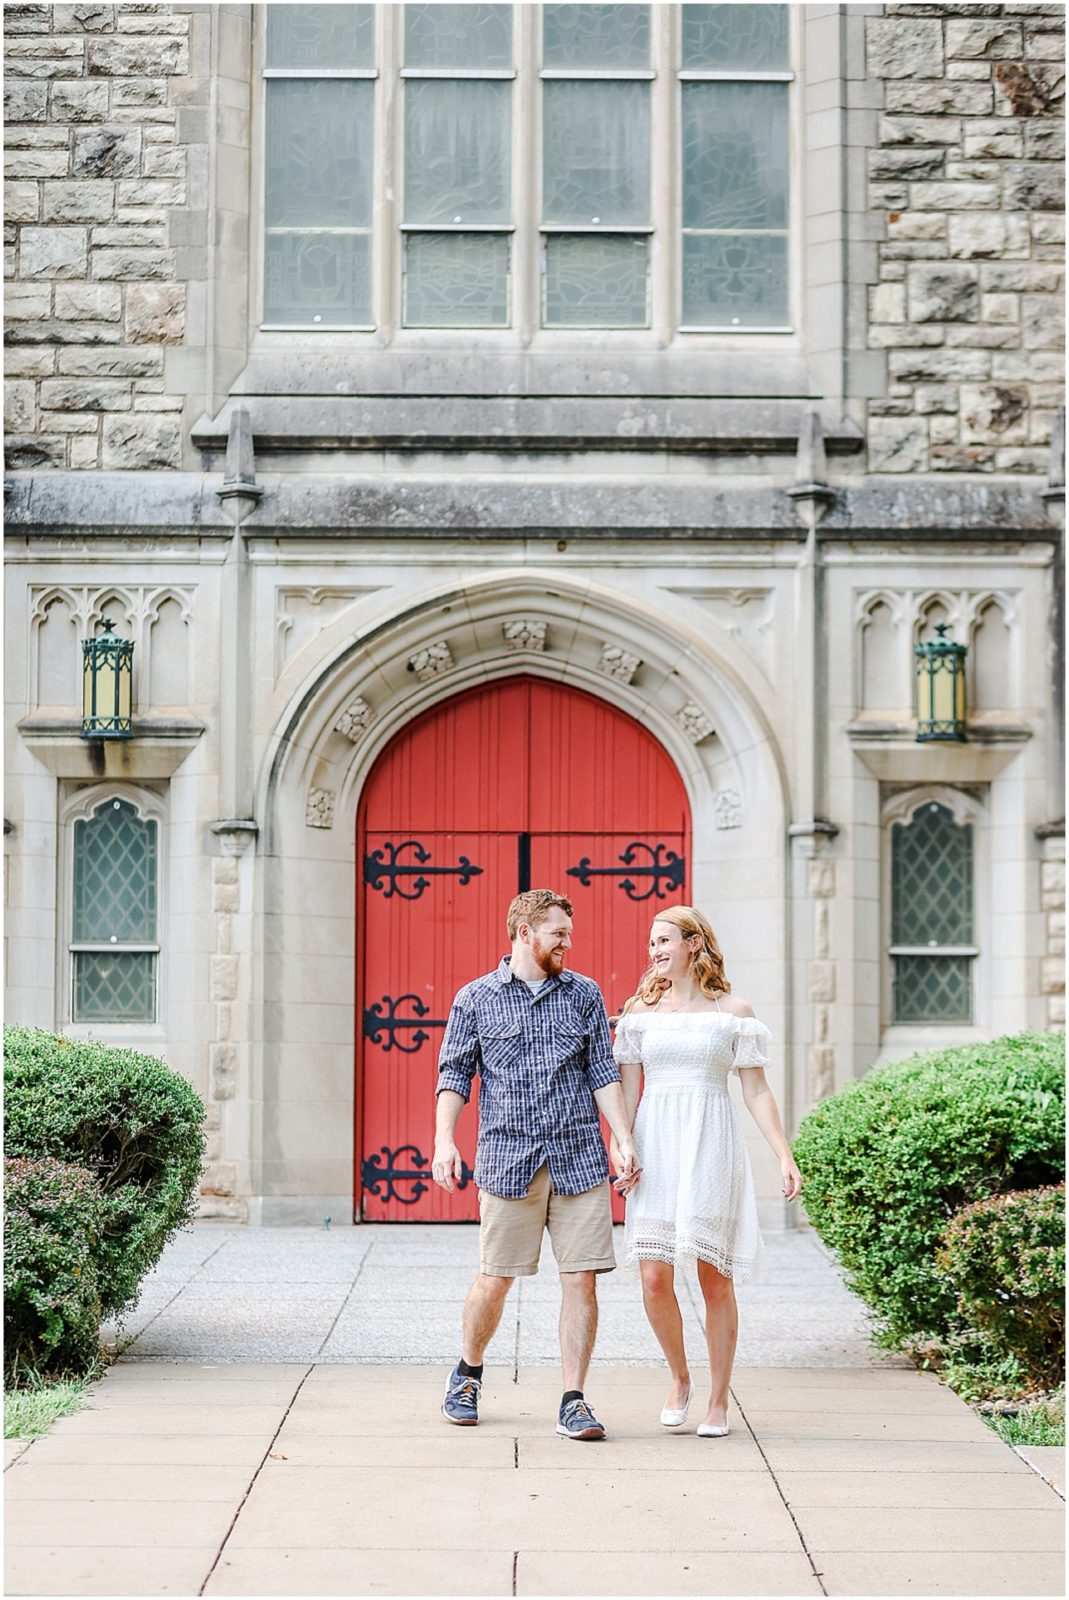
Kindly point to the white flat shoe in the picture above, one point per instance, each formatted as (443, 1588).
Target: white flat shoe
(675, 1416)
(711, 1430)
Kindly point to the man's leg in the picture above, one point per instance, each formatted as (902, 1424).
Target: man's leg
(578, 1326)
(482, 1313)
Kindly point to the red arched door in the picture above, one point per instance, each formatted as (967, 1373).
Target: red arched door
(521, 784)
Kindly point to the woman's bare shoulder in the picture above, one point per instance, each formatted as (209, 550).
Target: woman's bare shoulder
(736, 1006)
(637, 1007)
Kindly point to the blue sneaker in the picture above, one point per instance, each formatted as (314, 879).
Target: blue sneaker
(577, 1421)
(461, 1403)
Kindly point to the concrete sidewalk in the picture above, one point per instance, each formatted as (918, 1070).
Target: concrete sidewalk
(201, 1469)
(343, 1480)
(394, 1294)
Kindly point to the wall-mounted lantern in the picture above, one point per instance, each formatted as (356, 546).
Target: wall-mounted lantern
(107, 685)
(940, 667)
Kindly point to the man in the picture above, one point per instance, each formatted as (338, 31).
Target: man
(539, 1037)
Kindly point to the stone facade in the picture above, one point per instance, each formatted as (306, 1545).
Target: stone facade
(736, 540)
(967, 167)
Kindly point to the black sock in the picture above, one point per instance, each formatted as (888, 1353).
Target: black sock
(469, 1372)
(571, 1394)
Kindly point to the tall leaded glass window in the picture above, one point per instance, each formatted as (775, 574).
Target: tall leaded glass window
(596, 85)
(319, 143)
(457, 165)
(113, 937)
(932, 917)
(734, 159)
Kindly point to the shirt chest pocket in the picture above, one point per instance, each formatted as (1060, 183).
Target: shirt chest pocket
(501, 1043)
(568, 1045)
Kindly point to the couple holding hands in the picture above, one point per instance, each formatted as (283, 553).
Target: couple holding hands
(538, 1035)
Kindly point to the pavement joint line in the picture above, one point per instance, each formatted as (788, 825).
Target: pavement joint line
(515, 1566)
(1033, 1468)
(348, 1296)
(252, 1480)
(179, 1292)
(772, 1474)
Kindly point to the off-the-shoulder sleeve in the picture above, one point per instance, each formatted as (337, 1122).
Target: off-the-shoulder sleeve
(750, 1042)
(627, 1045)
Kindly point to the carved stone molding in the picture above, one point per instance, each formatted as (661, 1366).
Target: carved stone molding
(319, 812)
(235, 834)
(355, 719)
(696, 724)
(430, 662)
(524, 633)
(618, 663)
(727, 808)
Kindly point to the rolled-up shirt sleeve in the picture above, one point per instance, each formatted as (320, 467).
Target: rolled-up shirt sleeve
(458, 1060)
(600, 1066)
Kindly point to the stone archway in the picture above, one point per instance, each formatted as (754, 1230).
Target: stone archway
(625, 651)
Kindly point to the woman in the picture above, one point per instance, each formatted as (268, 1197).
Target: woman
(691, 1197)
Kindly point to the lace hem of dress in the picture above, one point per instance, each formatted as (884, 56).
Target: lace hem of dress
(664, 1242)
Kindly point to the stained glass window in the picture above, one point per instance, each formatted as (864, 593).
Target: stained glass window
(735, 37)
(319, 161)
(320, 36)
(456, 280)
(458, 36)
(115, 906)
(595, 166)
(457, 166)
(931, 913)
(735, 162)
(596, 36)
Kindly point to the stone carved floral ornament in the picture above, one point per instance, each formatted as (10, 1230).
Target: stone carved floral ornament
(355, 719)
(319, 812)
(431, 661)
(618, 663)
(524, 633)
(727, 808)
(696, 723)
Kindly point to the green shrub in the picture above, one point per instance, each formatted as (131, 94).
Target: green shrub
(1004, 1259)
(130, 1121)
(53, 1219)
(889, 1160)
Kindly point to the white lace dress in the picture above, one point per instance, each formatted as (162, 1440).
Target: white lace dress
(695, 1198)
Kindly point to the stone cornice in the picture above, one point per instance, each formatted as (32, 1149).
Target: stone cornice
(503, 507)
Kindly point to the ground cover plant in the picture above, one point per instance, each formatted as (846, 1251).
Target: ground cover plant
(891, 1161)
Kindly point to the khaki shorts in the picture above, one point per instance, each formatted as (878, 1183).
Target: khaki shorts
(580, 1230)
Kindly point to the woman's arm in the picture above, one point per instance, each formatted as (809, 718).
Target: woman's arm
(761, 1104)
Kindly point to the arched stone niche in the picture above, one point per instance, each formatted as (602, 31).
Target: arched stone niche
(631, 654)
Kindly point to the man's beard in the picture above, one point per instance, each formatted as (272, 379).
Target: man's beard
(549, 960)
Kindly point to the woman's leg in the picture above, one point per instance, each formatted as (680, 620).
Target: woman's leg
(721, 1335)
(662, 1308)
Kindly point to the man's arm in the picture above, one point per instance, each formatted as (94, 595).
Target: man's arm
(611, 1104)
(458, 1063)
(447, 1162)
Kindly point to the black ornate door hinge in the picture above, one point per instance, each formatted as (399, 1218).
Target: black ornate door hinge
(379, 867)
(381, 1018)
(669, 870)
(383, 1168)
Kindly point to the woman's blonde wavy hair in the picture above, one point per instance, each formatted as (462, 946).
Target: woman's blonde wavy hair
(707, 964)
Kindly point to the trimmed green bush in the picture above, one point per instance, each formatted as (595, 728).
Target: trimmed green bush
(889, 1160)
(130, 1121)
(53, 1221)
(1004, 1259)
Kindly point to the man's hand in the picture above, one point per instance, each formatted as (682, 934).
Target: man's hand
(447, 1164)
(625, 1166)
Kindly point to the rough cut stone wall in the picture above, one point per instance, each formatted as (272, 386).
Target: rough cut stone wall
(968, 171)
(96, 183)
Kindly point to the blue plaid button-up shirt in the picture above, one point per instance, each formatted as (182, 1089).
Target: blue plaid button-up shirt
(540, 1057)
